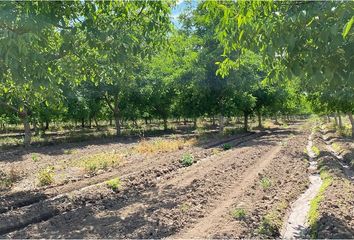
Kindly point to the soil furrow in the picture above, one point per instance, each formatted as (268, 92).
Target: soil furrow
(171, 197)
(206, 224)
(20, 199)
(35, 215)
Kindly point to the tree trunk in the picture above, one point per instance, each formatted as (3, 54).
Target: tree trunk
(245, 122)
(221, 123)
(165, 124)
(28, 134)
(336, 119)
(213, 120)
(96, 123)
(350, 116)
(117, 120)
(195, 122)
(82, 122)
(259, 119)
(46, 125)
(340, 120)
(90, 122)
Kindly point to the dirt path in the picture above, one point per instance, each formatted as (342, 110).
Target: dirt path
(296, 225)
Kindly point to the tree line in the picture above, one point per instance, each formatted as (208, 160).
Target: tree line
(90, 61)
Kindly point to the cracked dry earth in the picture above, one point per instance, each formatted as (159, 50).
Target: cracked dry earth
(163, 199)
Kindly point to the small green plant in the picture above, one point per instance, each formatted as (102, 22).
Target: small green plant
(239, 214)
(265, 183)
(114, 184)
(187, 160)
(315, 150)
(34, 157)
(46, 176)
(226, 146)
(184, 207)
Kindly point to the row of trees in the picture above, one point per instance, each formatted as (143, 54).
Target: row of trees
(307, 41)
(79, 61)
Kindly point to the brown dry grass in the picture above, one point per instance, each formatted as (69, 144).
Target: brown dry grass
(162, 145)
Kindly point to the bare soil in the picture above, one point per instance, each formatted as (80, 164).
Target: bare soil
(263, 173)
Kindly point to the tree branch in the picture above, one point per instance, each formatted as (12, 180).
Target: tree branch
(9, 106)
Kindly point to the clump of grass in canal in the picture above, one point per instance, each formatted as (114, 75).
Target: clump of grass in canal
(265, 183)
(162, 145)
(114, 184)
(315, 150)
(239, 214)
(45, 176)
(314, 214)
(187, 160)
(100, 161)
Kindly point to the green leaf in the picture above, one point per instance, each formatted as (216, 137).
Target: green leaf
(348, 27)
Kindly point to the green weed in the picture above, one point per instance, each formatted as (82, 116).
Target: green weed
(46, 176)
(265, 183)
(239, 214)
(34, 157)
(187, 160)
(315, 150)
(184, 207)
(114, 184)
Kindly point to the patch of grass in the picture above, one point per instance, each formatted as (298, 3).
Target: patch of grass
(226, 146)
(114, 184)
(239, 214)
(162, 145)
(187, 160)
(265, 183)
(314, 214)
(46, 176)
(100, 161)
(315, 150)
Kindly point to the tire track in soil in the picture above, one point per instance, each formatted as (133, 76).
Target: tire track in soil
(44, 210)
(155, 204)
